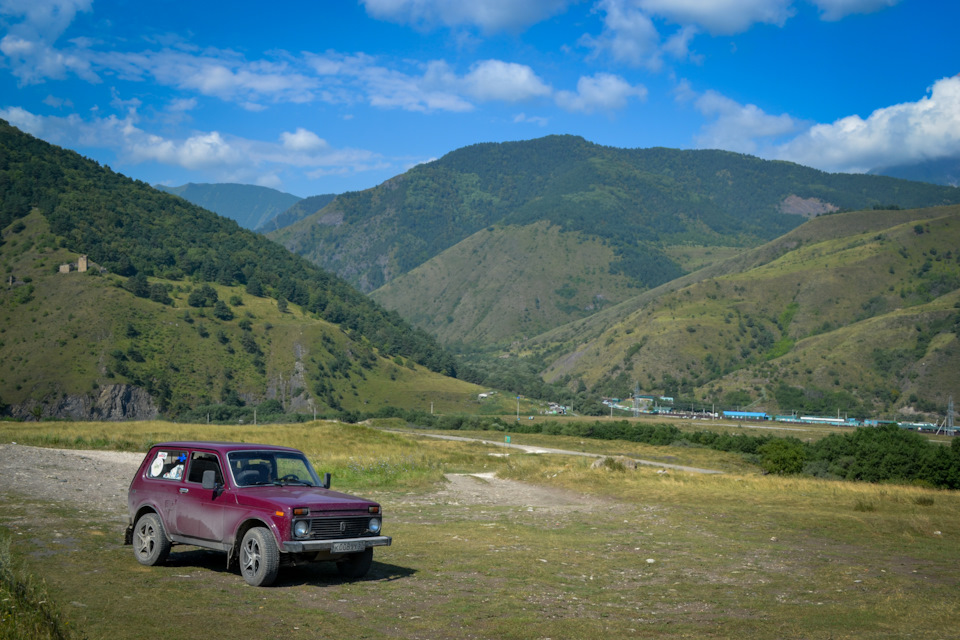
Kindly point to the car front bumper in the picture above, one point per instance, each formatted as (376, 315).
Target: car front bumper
(344, 545)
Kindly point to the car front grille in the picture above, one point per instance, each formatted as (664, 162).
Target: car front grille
(334, 528)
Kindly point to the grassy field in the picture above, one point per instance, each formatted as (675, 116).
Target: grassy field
(630, 554)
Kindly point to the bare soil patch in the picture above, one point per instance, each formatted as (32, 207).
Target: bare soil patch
(89, 479)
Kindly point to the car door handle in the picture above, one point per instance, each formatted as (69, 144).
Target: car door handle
(184, 490)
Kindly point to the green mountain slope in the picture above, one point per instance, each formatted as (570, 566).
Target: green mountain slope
(640, 203)
(297, 211)
(188, 308)
(250, 206)
(506, 282)
(859, 311)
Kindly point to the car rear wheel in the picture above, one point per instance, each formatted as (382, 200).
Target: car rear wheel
(150, 544)
(259, 557)
(356, 565)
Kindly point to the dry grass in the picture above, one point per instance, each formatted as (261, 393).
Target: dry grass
(633, 554)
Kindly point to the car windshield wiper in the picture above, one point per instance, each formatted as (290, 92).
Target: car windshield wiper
(305, 483)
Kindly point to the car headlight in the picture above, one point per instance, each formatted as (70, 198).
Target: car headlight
(374, 525)
(301, 528)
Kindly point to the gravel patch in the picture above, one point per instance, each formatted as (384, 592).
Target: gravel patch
(95, 480)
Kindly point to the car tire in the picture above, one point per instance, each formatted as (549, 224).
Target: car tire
(259, 557)
(150, 543)
(356, 565)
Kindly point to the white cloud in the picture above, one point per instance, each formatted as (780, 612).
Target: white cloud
(389, 88)
(600, 92)
(634, 31)
(720, 17)
(223, 75)
(628, 36)
(738, 127)
(33, 61)
(214, 156)
(58, 103)
(507, 81)
(522, 118)
(911, 131)
(47, 19)
(838, 9)
(25, 121)
(29, 43)
(182, 104)
(488, 15)
(432, 86)
(302, 140)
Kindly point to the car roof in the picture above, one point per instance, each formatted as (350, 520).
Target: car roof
(223, 447)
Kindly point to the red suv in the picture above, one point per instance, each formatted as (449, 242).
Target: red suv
(259, 503)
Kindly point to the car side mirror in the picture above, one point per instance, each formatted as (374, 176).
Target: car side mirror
(326, 481)
(209, 479)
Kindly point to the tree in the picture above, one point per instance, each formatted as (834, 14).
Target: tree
(222, 311)
(203, 296)
(254, 287)
(158, 293)
(137, 285)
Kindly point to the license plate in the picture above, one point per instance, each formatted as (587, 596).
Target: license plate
(347, 547)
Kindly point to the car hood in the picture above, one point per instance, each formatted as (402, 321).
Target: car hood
(287, 497)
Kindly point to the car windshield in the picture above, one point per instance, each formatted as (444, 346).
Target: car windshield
(253, 468)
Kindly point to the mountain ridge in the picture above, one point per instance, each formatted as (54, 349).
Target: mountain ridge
(642, 204)
(251, 206)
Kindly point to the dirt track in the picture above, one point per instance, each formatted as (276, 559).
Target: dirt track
(99, 480)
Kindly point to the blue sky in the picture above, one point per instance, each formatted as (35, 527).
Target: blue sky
(334, 95)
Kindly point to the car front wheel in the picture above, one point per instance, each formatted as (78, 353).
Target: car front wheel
(150, 544)
(259, 557)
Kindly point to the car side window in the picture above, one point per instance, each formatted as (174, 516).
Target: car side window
(167, 464)
(201, 461)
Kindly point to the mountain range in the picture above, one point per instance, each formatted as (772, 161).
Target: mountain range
(945, 171)
(494, 243)
(553, 267)
(251, 206)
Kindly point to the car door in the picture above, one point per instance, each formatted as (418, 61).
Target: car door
(200, 511)
(163, 479)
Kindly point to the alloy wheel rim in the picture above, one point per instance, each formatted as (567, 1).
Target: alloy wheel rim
(251, 556)
(145, 539)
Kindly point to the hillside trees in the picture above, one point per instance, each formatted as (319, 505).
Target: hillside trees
(136, 231)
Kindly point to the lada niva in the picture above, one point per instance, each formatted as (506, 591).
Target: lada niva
(263, 505)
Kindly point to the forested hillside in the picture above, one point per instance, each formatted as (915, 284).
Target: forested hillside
(297, 211)
(637, 200)
(249, 205)
(165, 264)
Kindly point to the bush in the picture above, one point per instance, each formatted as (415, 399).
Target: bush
(784, 456)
